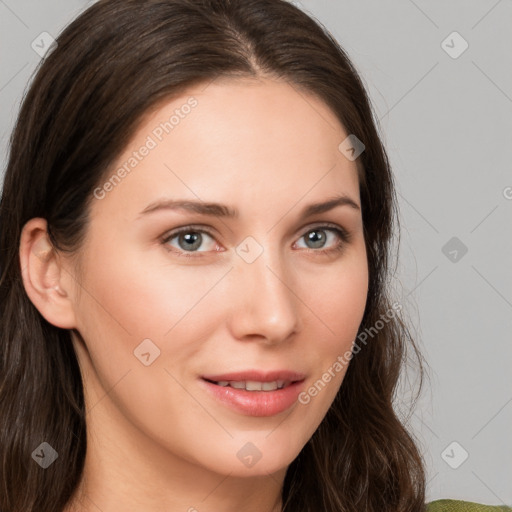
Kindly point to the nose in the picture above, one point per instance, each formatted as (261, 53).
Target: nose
(265, 303)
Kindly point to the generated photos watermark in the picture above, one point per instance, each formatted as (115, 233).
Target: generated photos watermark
(152, 140)
(343, 360)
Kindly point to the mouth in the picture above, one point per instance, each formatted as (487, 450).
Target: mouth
(255, 393)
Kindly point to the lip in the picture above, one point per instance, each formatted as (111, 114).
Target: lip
(255, 403)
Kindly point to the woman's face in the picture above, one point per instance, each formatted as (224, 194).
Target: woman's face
(251, 299)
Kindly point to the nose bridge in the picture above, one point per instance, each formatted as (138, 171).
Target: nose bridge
(265, 303)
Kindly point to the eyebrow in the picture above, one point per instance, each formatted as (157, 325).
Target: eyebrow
(222, 210)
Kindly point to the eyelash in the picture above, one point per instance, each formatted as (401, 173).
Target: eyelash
(343, 234)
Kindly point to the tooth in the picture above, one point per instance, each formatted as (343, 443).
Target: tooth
(237, 384)
(269, 386)
(280, 383)
(222, 383)
(252, 385)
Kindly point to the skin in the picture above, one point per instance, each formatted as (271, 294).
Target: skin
(156, 439)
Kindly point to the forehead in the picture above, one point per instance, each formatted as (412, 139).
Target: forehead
(244, 139)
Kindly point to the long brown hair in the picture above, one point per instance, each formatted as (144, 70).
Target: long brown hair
(114, 63)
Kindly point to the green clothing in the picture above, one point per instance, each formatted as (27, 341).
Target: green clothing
(464, 506)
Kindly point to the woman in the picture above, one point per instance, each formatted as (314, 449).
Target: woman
(170, 340)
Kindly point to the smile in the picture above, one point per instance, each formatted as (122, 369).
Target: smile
(254, 398)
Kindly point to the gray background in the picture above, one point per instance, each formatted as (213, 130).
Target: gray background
(447, 125)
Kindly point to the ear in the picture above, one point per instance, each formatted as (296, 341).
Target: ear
(47, 282)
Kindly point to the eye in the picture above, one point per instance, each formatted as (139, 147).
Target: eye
(316, 236)
(189, 239)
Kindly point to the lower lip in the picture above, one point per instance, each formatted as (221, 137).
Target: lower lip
(256, 403)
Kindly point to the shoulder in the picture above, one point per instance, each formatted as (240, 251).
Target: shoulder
(464, 506)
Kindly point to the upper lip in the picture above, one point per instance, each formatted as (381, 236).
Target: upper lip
(257, 376)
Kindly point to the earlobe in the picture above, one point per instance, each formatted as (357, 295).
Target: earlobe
(44, 278)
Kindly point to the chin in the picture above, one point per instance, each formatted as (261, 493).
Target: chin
(272, 452)
(251, 454)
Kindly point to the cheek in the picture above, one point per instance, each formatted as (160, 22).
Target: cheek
(338, 297)
(126, 302)
(142, 299)
(339, 306)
